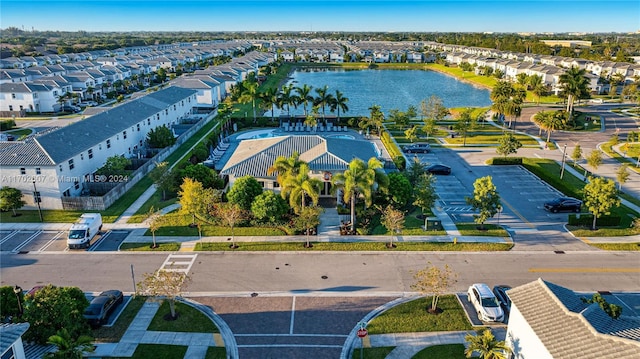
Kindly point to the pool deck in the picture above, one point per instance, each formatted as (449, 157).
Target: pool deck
(234, 139)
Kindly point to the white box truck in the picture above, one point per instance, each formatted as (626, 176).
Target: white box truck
(81, 232)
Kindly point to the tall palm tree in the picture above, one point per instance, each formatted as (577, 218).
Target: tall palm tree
(339, 103)
(507, 99)
(574, 85)
(360, 179)
(286, 167)
(286, 98)
(249, 93)
(537, 86)
(304, 93)
(270, 101)
(298, 187)
(324, 98)
(486, 345)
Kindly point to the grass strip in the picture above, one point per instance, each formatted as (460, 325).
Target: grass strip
(157, 351)
(114, 333)
(617, 246)
(352, 246)
(491, 230)
(372, 353)
(216, 353)
(413, 317)
(189, 320)
(449, 351)
(146, 247)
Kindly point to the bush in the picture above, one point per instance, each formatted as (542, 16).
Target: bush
(505, 161)
(586, 220)
(7, 125)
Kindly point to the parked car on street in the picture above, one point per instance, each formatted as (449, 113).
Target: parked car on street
(501, 293)
(439, 169)
(563, 204)
(485, 303)
(417, 148)
(101, 307)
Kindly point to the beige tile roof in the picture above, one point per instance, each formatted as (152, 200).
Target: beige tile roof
(557, 316)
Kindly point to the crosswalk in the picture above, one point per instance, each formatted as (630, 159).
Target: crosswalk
(179, 263)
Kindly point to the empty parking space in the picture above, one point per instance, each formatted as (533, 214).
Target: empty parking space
(110, 241)
(14, 241)
(43, 240)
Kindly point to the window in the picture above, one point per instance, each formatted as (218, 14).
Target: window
(13, 96)
(138, 126)
(60, 168)
(66, 193)
(76, 184)
(23, 171)
(276, 184)
(261, 183)
(124, 135)
(157, 116)
(71, 166)
(149, 121)
(38, 171)
(90, 153)
(10, 107)
(108, 143)
(174, 107)
(36, 197)
(166, 112)
(81, 157)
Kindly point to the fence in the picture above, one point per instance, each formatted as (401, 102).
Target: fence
(101, 203)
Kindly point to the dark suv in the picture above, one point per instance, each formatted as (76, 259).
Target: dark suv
(101, 307)
(564, 204)
(417, 148)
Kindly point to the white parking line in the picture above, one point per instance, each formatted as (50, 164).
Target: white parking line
(50, 242)
(4, 239)
(21, 245)
(293, 313)
(97, 243)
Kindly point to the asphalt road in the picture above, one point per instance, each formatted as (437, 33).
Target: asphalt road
(349, 274)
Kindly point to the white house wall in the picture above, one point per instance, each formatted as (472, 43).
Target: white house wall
(522, 340)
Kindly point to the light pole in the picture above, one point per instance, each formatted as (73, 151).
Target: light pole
(564, 155)
(17, 290)
(36, 198)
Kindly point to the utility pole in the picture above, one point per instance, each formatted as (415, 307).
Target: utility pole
(564, 155)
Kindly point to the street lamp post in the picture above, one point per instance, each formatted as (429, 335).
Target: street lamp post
(564, 155)
(36, 198)
(17, 290)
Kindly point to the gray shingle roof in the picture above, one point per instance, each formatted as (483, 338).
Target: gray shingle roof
(254, 157)
(24, 153)
(563, 328)
(82, 135)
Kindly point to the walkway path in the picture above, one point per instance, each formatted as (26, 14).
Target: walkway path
(197, 343)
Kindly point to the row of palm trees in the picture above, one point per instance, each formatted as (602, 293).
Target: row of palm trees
(360, 180)
(290, 96)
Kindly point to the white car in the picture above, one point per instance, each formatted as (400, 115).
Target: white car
(485, 302)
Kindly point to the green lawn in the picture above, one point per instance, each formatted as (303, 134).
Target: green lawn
(448, 351)
(146, 247)
(491, 230)
(352, 246)
(413, 317)
(189, 320)
(156, 202)
(147, 351)
(617, 246)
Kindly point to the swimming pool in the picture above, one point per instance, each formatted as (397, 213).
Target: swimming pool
(252, 135)
(344, 137)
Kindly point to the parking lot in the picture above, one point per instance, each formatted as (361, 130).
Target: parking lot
(33, 241)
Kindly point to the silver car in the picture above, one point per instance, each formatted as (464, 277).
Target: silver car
(485, 303)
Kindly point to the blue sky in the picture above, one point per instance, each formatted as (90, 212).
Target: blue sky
(328, 15)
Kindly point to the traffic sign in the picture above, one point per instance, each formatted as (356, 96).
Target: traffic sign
(362, 333)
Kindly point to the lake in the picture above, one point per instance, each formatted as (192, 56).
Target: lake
(390, 89)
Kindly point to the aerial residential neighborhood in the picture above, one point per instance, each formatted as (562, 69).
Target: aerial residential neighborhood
(319, 180)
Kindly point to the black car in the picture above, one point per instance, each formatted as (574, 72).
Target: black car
(417, 148)
(563, 204)
(501, 293)
(439, 170)
(101, 307)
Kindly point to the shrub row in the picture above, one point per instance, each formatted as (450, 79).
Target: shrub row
(505, 161)
(7, 125)
(587, 220)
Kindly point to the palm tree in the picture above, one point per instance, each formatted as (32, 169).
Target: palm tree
(339, 103)
(286, 98)
(375, 118)
(324, 98)
(507, 99)
(298, 187)
(485, 344)
(540, 119)
(304, 93)
(537, 86)
(270, 101)
(249, 94)
(548, 121)
(286, 167)
(574, 85)
(68, 348)
(360, 179)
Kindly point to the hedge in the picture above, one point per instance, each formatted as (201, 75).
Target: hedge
(505, 161)
(7, 125)
(587, 220)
